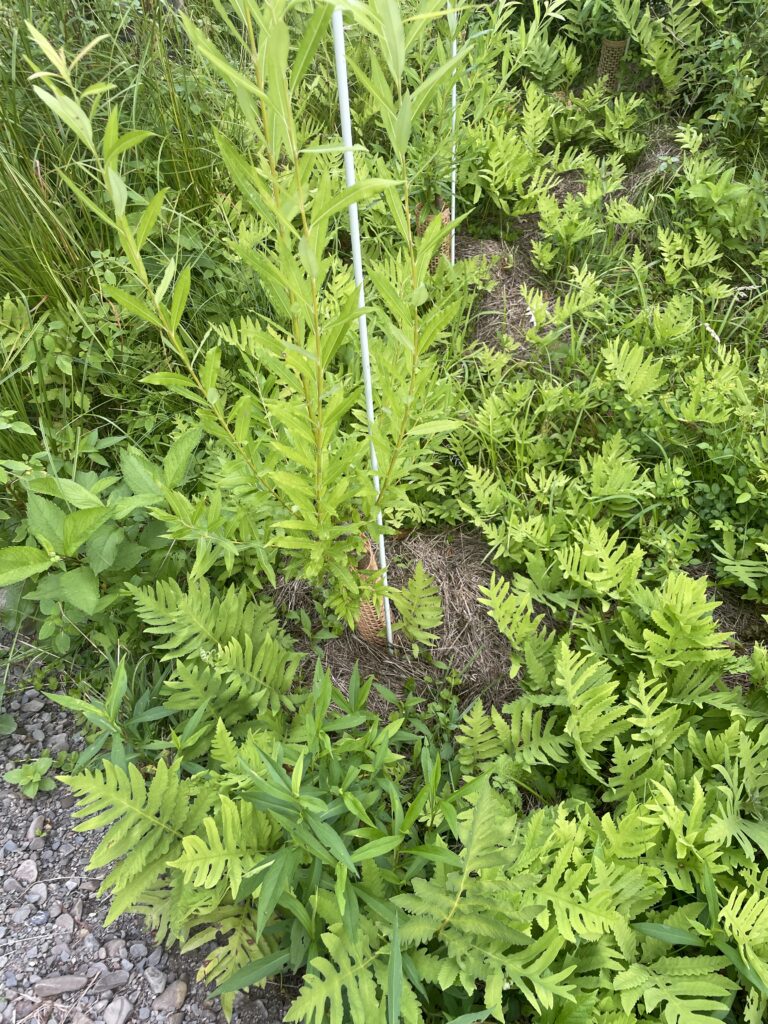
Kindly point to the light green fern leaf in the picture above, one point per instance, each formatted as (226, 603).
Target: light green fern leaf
(145, 824)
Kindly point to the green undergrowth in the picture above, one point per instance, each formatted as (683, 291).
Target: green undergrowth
(182, 439)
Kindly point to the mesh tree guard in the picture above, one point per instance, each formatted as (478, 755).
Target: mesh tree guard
(611, 54)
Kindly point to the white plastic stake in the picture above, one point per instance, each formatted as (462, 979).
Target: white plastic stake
(454, 51)
(342, 83)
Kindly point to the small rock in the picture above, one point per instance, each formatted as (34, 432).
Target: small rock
(65, 924)
(38, 893)
(11, 886)
(27, 872)
(38, 734)
(71, 884)
(67, 800)
(9, 847)
(176, 1018)
(173, 997)
(20, 916)
(57, 986)
(154, 957)
(66, 850)
(118, 1011)
(41, 917)
(137, 950)
(78, 1017)
(36, 826)
(260, 1012)
(144, 1013)
(32, 706)
(111, 980)
(77, 910)
(61, 951)
(55, 910)
(37, 844)
(23, 1008)
(155, 980)
(58, 742)
(10, 979)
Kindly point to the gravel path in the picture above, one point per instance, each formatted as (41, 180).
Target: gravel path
(57, 961)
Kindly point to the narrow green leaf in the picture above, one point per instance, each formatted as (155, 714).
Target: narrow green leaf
(394, 976)
(254, 972)
(434, 427)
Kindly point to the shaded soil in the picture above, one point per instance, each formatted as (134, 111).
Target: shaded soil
(746, 620)
(501, 313)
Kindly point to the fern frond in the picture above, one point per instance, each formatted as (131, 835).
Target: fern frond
(478, 740)
(234, 840)
(584, 684)
(636, 372)
(145, 825)
(421, 609)
(690, 989)
(343, 979)
(599, 564)
(195, 620)
(241, 946)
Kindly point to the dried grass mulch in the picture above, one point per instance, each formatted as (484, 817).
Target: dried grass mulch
(469, 643)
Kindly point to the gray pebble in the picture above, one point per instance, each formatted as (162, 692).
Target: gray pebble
(37, 844)
(57, 986)
(41, 917)
(11, 886)
(9, 847)
(10, 979)
(259, 1011)
(27, 871)
(173, 997)
(144, 1013)
(33, 706)
(110, 980)
(21, 915)
(58, 742)
(154, 957)
(137, 950)
(118, 1011)
(155, 979)
(65, 924)
(36, 826)
(38, 893)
